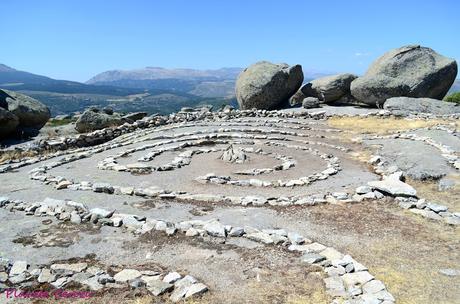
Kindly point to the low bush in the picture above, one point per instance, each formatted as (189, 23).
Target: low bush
(454, 97)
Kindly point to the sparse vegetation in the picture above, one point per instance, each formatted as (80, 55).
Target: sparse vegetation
(9, 155)
(429, 191)
(59, 122)
(381, 125)
(454, 97)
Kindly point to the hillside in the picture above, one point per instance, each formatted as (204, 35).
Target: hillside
(204, 83)
(63, 96)
(16, 80)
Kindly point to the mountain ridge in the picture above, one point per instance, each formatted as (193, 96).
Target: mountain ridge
(155, 73)
(63, 96)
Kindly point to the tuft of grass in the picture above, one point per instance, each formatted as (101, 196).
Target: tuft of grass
(378, 125)
(317, 297)
(429, 191)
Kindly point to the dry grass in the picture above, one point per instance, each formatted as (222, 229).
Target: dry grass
(317, 297)
(15, 155)
(376, 125)
(404, 251)
(308, 289)
(412, 285)
(429, 191)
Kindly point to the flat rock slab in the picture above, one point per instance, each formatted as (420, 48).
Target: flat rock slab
(418, 160)
(452, 140)
(406, 105)
(393, 187)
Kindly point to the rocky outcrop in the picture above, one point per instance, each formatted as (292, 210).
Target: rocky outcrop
(267, 86)
(30, 114)
(411, 71)
(403, 106)
(93, 119)
(329, 88)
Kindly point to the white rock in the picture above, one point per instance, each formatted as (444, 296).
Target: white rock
(331, 254)
(260, 237)
(18, 268)
(196, 289)
(127, 275)
(101, 213)
(363, 189)
(236, 232)
(77, 267)
(394, 187)
(215, 228)
(373, 286)
(172, 277)
(356, 278)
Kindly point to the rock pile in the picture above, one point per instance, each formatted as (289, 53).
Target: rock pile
(20, 274)
(234, 155)
(329, 89)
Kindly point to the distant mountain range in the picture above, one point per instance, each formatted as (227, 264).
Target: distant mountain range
(165, 96)
(151, 89)
(154, 73)
(204, 83)
(15, 80)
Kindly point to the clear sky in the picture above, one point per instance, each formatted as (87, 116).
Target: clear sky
(70, 39)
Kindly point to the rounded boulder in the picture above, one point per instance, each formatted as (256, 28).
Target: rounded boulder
(410, 71)
(266, 86)
(91, 121)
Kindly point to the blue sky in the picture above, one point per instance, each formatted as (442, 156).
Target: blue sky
(70, 39)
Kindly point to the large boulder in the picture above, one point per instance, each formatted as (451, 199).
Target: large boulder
(329, 88)
(411, 71)
(267, 86)
(403, 106)
(8, 122)
(93, 119)
(31, 113)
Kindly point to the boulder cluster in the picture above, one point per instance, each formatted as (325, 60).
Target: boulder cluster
(410, 71)
(94, 119)
(21, 114)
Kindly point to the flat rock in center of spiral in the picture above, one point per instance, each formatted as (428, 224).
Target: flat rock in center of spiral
(234, 155)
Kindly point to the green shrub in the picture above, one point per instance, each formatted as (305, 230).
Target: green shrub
(454, 97)
(60, 122)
